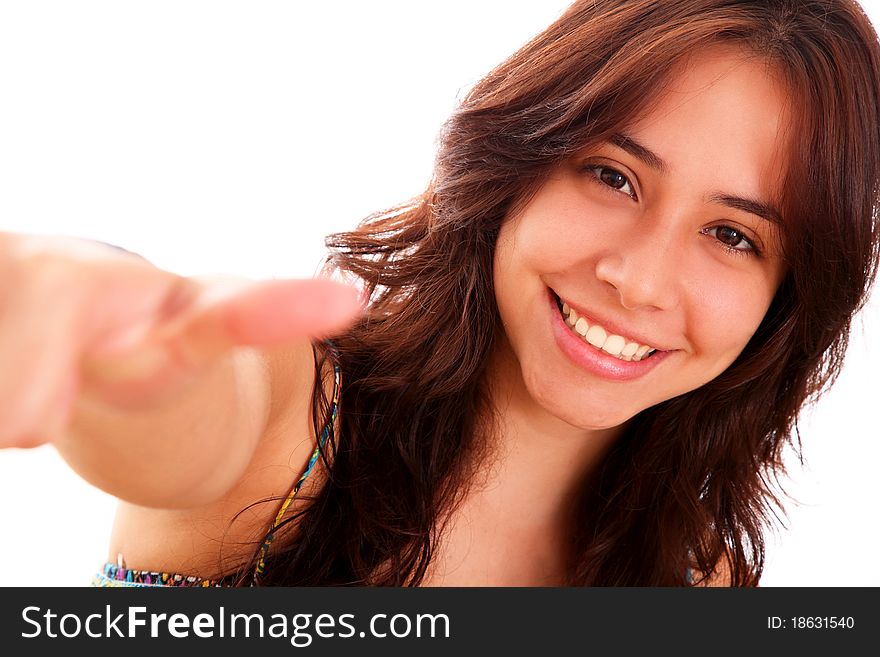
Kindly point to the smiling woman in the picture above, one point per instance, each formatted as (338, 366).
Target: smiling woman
(660, 200)
(584, 348)
(656, 223)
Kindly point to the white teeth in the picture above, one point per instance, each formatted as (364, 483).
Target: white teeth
(630, 349)
(614, 345)
(596, 336)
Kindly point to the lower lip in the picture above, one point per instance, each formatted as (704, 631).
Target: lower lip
(593, 360)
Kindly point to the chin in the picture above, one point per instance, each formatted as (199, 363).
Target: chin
(582, 411)
(598, 422)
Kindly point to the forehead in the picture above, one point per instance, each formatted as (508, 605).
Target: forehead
(722, 119)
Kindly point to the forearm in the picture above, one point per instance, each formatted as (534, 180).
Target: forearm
(188, 450)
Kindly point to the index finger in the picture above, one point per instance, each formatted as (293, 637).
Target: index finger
(261, 314)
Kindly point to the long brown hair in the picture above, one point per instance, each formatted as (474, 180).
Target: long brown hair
(692, 482)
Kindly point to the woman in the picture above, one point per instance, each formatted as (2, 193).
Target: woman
(586, 342)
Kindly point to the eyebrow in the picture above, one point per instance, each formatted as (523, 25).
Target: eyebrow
(640, 152)
(753, 206)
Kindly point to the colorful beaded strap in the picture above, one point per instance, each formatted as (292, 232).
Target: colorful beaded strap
(264, 549)
(115, 575)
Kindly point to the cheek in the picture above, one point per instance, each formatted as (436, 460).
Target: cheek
(556, 230)
(553, 244)
(726, 314)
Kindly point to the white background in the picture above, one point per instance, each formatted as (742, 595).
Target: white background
(232, 136)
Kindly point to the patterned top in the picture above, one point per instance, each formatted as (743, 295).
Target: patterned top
(117, 575)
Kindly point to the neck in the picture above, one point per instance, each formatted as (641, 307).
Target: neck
(540, 462)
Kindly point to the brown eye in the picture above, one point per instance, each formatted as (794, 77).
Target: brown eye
(612, 178)
(732, 239)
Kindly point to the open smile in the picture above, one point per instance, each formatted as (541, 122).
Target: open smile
(601, 338)
(592, 347)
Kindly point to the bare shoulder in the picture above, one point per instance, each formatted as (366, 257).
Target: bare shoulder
(196, 541)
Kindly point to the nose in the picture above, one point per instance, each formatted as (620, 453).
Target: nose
(644, 270)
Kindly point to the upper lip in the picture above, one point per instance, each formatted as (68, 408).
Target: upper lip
(612, 327)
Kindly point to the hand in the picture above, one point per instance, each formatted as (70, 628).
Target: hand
(80, 318)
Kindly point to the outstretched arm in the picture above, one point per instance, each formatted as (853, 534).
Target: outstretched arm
(154, 387)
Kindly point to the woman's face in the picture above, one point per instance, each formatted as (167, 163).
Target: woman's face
(663, 238)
